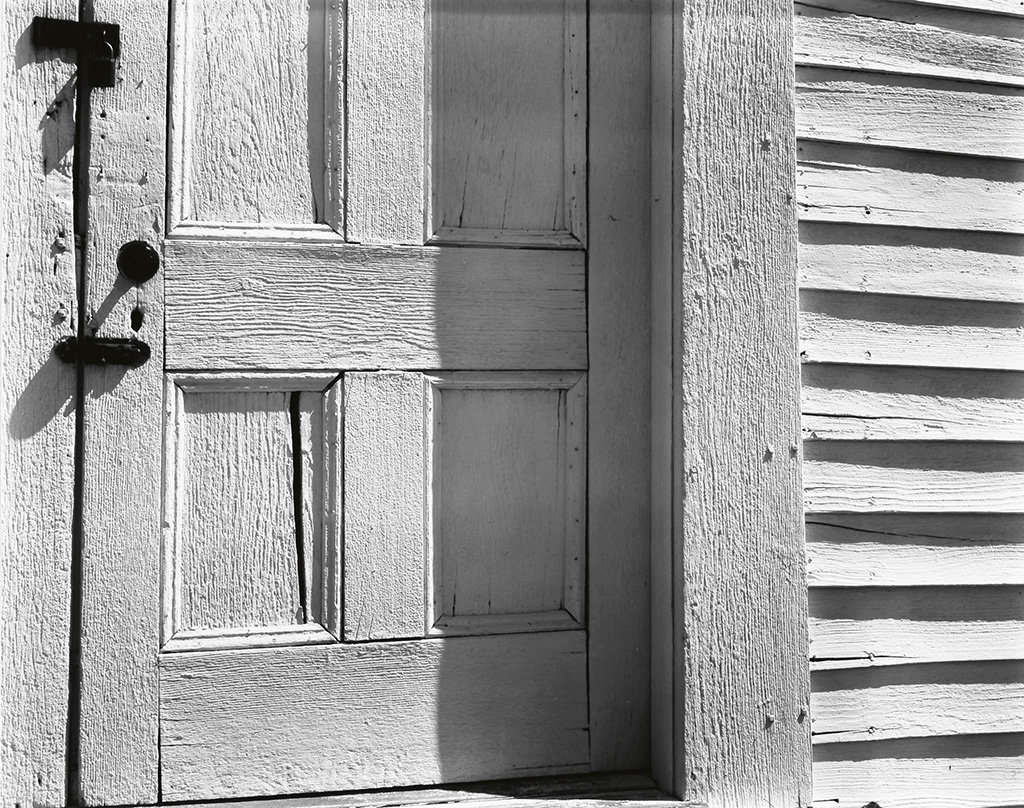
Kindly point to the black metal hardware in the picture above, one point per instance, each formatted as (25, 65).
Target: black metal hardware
(138, 261)
(98, 351)
(98, 44)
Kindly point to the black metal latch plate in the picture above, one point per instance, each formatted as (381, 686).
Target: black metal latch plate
(97, 351)
(98, 44)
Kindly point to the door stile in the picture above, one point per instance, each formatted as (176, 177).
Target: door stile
(618, 300)
(123, 417)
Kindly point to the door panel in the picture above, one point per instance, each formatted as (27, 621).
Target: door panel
(509, 128)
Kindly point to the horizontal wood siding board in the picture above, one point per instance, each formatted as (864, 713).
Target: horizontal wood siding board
(912, 261)
(868, 185)
(863, 402)
(862, 329)
(921, 114)
(893, 38)
(1008, 7)
(367, 308)
(913, 476)
(888, 550)
(910, 701)
(901, 625)
(975, 771)
(236, 724)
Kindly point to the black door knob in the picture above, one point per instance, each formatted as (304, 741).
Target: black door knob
(138, 261)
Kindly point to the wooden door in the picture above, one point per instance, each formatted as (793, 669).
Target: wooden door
(375, 512)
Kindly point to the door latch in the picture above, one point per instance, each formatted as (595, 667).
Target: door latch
(101, 351)
(98, 44)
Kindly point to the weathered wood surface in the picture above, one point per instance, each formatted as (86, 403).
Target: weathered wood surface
(863, 329)
(579, 791)
(37, 424)
(509, 492)
(925, 114)
(123, 429)
(844, 402)
(741, 732)
(889, 37)
(913, 477)
(233, 159)
(912, 207)
(974, 771)
(909, 261)
(238, 305)
(876, 550)
(618, 437)
(236, 558)
(915, 624)
(1008, 7)
(867, 185)
(915, 701)
(232, 721)
(385, 126)
(387, 525)
(526, 65)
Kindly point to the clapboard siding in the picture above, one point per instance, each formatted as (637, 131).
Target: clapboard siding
(904, 261)
(911, 199)
(924, 114)
(896, 38)
(966, 771)
(870, 185)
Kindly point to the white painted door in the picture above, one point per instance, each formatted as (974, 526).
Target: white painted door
(374, 514)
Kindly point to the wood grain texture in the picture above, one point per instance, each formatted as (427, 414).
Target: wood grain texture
(865, 185)
(915, 701)
(910, 261)
(889, 37)
(915, 550)
(406, 713)
(629, 790)
(39, 306)
(509, 114)
(249, 91)
(972, 771)
(915, 624)
(387, 523)
(862, 329)
(124, 413)
(912, 476)
(618, 382)
(509, 492)
(236, 526)
(845, 402)
(1008, 7)
(941, 116)
(739, 634)
(237, 305)
(386, 134)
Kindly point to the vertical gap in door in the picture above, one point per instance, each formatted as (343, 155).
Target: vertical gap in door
(300, 541)
(80, 204)
(586, 304)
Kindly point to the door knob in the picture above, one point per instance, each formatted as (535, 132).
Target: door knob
(138, 261)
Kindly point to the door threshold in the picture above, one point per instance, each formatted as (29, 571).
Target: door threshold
(631, 790)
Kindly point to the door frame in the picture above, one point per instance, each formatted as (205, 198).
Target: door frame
(730, 680)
